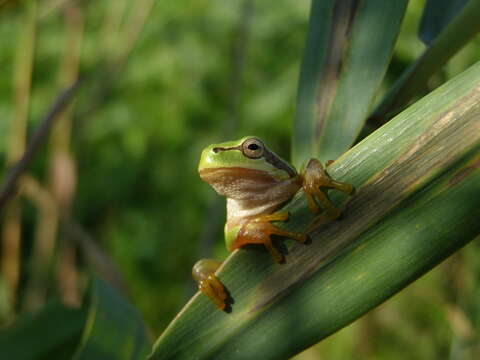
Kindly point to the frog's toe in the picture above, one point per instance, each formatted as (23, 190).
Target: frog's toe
(204, 274)
(259, 230)
(315, 180)
(343, 187)
(214, 289)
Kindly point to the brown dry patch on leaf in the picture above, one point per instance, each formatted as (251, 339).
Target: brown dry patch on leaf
(467, 170)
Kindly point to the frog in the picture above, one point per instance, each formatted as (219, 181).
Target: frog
(256, 183)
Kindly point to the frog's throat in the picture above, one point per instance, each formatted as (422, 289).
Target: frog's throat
(247, 184)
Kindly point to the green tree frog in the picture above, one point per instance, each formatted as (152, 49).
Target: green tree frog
(257, 182)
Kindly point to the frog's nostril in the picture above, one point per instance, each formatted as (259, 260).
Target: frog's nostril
(216, 150)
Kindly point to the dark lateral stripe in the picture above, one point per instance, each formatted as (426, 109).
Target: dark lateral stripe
(217, 149)
(269, 157)
(273, 159)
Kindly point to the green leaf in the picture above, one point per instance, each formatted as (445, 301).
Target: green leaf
(436, 15)
(417, 185)
(106, 328)
(114, 329)
(349, 45)
(413, 81)
(51, 333)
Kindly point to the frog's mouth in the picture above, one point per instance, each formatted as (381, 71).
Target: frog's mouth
(237, 182)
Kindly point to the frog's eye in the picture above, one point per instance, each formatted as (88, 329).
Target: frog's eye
(252, 148)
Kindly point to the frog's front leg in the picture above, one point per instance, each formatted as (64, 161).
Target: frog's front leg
(314, 180)
(204, 274)
(258, 231)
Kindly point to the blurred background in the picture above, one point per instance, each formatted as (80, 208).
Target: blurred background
(114, 189)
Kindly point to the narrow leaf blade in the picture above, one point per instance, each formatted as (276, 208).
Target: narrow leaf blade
(436, 16)
(349, 45)
(457, 33)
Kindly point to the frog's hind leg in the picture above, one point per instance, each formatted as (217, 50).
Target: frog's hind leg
(259, 229)
(204, 274)
(314, 180)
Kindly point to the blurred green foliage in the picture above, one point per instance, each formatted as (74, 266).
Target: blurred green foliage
(138, 131)
(139, 128)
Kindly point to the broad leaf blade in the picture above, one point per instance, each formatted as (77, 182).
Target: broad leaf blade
(418, 184)
(349, 45)
(114, 328)
(51, 333)
(394, 253)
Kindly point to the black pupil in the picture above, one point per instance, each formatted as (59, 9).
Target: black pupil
(253, 147)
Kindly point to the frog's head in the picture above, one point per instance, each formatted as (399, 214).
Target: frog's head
(248, 159)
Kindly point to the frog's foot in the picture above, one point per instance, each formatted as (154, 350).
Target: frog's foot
(204, 274)
(258, 231)
(314, 179)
